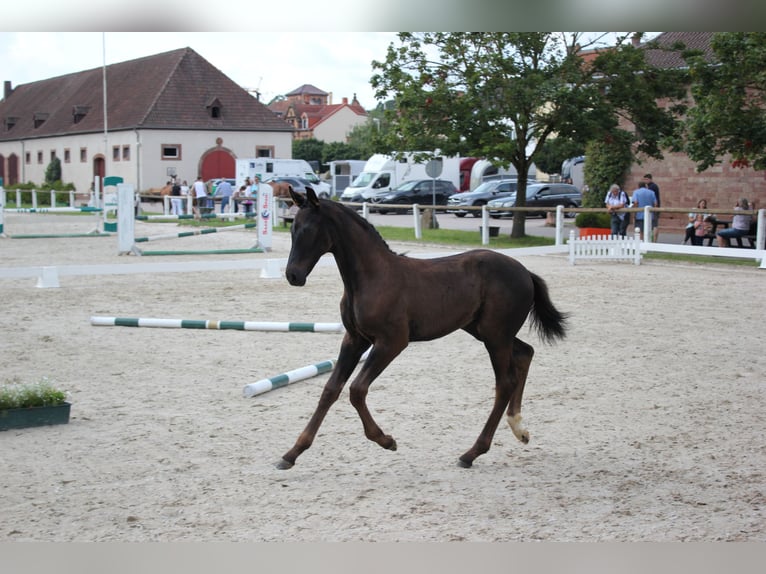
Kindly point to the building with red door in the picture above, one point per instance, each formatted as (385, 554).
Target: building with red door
(170, 114)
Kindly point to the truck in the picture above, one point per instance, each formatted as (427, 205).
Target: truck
(343, 172)
(267, 168)
(573, 171)
(384, 172)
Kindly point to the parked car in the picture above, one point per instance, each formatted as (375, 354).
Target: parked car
(539, 195)
(420, 191)
(484, 193)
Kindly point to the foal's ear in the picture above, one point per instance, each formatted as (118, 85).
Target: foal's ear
(311, 196)
(298, 198)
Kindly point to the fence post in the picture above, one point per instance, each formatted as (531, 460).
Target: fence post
(559, 225)
(647, 225)
(416, 215)
(484, 225)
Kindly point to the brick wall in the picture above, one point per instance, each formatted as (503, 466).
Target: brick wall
(681, 186)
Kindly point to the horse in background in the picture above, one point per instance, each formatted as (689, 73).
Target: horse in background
(390, 300)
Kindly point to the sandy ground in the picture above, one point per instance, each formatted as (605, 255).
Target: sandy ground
(647, 423)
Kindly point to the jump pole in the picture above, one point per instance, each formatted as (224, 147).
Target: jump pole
(284, 379)
(93, 233)
(274, 326)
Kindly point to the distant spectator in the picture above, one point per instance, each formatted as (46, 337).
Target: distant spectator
(224, 191)
(643, 197)
(740, 224)
(656, 215)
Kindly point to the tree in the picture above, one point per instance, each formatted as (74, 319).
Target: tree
(309, 149)
(503, 95)
(729, 113)
(554, 151)
(53, 171)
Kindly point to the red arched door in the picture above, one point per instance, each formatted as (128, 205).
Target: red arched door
(218, 163)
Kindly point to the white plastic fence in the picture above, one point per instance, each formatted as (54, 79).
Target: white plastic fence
(614, 247)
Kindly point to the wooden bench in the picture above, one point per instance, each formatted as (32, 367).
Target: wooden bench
(751, 236)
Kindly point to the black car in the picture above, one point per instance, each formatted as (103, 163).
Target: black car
(421, 191)
(539, 195)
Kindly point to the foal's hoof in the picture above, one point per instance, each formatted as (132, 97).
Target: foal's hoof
(464, 463)
(391, 445)
(285, 464)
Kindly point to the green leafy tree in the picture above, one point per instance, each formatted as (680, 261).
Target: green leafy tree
(609, 160)
(339, 150)
(503, 95)
(554, 151)
(729, 112)
(53, 172)
(310, 149)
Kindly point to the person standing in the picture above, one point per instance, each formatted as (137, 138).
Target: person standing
(649, 181)
(616, 199)
(176, 201)
(224, 190)
(643, 197)
(185, 196)
(200, 195)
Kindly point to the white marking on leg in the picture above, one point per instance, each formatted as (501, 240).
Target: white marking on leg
(518, 430)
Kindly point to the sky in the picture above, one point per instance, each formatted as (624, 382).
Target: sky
(273, 63)
(339, 63)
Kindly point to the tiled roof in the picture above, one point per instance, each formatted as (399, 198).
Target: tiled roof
(671, 58)
(306, 89)
(171, 90)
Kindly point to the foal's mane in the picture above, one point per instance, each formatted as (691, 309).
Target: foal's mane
(349, 215)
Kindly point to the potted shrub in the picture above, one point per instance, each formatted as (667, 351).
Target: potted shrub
(35, 404)
(593, 223)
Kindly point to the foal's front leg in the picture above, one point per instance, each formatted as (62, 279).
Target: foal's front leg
(350, 352)
(380, 357)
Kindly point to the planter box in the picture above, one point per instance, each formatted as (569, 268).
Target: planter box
(594, 231)
(34, 416)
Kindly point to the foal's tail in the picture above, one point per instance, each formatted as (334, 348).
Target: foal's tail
(551, 324)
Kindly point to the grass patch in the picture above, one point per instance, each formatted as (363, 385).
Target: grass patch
(461, 238)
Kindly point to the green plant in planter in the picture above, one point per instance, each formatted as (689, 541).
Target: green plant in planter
(17, 395)
(593, 219)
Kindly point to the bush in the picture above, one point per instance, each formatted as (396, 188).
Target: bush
(593, 219)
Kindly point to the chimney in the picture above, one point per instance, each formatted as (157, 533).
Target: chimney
(345, 101)
(636, 39)
(7, 89)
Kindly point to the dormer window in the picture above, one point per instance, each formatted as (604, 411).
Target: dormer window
(214, 108)
(10, 121)
(39, 119)
(79, 112)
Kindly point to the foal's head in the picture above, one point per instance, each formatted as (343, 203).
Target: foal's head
(310, 238)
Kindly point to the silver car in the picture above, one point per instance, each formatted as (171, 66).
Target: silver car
(484, 193)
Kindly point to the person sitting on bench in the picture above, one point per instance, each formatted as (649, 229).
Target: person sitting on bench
(740, 225)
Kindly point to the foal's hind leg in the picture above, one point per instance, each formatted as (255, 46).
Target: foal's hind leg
(522, 354)
(350, 352)
(504, 391)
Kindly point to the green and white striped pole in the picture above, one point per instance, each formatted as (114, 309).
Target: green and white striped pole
(281, 326)
(284, 379)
